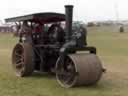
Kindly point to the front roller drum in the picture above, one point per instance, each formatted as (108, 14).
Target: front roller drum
(78, 69)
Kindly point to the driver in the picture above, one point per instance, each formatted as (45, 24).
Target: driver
(56, 33)
(25, 32)
(25, 28)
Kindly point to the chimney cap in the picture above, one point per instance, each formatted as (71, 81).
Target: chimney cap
(69, 6)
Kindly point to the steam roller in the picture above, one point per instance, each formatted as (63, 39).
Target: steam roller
(51, 42)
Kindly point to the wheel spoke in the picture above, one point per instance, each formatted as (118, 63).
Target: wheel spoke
(18, 54)
(19, 65)
(64, 73)
(68, 79)
(18, 61)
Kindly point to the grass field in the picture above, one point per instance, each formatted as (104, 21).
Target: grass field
(112, 49)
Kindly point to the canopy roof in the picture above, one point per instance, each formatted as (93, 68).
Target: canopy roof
(48, 17)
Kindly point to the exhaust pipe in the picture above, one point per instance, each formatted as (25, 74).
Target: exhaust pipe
(69, 15)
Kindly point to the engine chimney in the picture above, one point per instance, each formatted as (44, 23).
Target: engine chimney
(69, 15)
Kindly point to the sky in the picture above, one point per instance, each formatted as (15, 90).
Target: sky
(84, 10)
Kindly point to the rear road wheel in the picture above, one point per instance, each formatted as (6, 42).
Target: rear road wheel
(22, 59)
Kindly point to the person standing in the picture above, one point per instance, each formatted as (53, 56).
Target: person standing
(121, 29)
